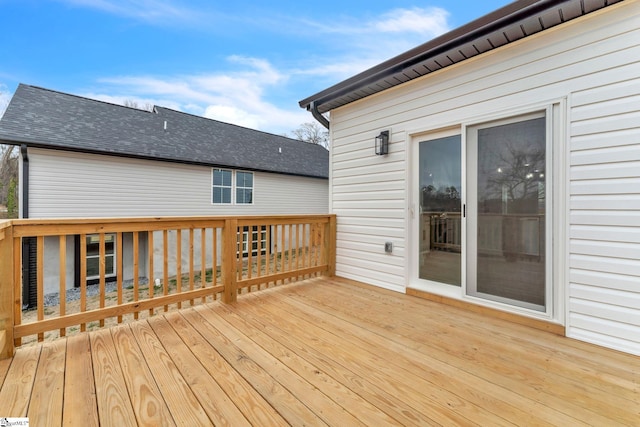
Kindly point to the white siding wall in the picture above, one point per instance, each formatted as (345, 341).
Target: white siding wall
(592, 63)
(64, 184)
(604, 288)
(71, 185)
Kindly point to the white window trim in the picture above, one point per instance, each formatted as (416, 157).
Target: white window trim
(234, 187)
(213, 186)
(113, 255)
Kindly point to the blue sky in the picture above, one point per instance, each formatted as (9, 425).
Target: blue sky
(242, 62)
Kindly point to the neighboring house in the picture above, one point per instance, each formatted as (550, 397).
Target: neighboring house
(86, 158)
(512, 179)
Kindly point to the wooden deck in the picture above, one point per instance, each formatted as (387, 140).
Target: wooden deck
(320, 352)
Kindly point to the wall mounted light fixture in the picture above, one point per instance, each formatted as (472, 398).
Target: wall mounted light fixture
(382, 143)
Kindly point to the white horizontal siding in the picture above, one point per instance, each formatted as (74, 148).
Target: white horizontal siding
(593, 63)
(64, 184)
(368, 199)
(604, 287)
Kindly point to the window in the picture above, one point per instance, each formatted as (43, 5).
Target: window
(93, 256)
(258, 239)
(244, 187)
(224, 188)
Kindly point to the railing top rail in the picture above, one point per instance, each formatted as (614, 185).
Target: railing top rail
(5, 223)
(153, 219)
(66, 226)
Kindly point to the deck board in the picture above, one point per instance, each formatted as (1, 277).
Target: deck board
(320, 352)
(492, 360)
(255, 408)
(307, 393)
(276, 344)
(80, 412)
(112, 397)
(283, 400)
(220, 409)
(45, 407)
(146, 400)
(18, 383)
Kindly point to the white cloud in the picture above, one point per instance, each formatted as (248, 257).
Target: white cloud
(237, 97)
(430, 22)
(165, 11)
(235, 115)
(241, 94)
(362, 44)
(427, 22)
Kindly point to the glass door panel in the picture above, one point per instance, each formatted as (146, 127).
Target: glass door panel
(507, 206)
(440, 225)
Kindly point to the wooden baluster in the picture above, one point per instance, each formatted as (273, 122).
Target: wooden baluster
(214, 260)
(250, 254)
(83, 278)
(102, 273)
(267, 253)
(282, 250)
(259, 253)
(191, 263)
(63, 280)
(298, 248)
(40, 281)
(203, 261)
(136, 264)
(119, 271)
(165, 265)
(151, 268)
(179, 264)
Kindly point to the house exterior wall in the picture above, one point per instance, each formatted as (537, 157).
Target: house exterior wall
(71, 185)
(588, 69)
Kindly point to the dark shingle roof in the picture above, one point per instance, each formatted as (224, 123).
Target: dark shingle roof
(44, 118)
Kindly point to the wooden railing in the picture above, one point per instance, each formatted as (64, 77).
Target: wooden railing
(142, 266)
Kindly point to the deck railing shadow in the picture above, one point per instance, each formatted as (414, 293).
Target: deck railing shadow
(100, 272)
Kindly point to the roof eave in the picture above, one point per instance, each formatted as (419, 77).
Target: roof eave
(500, 19)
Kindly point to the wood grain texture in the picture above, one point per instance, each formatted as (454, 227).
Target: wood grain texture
(18, 384)
(45, 408)
(146, 400)
(323, 351)
(80, 404)
(253, 405)
(288, 405)
(308, 394)
(113, 399)
(179, 397)
(218, 406)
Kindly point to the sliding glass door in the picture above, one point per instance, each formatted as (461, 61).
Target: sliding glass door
(506, 205)
(483, 222)
(440, 222)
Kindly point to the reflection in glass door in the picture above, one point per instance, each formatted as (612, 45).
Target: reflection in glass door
(506, 212)
(440, 207)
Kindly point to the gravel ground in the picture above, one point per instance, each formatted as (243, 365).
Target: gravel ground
(73, 294)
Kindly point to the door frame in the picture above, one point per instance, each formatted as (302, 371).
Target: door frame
(558, 151)
(471, 219)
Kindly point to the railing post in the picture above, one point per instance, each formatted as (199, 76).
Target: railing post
(330, 236)
(229, 264)
(6, 290)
